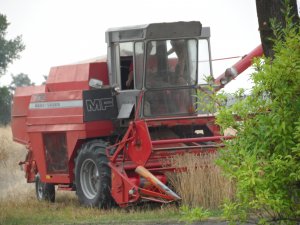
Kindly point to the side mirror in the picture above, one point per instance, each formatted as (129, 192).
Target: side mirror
(95, 83)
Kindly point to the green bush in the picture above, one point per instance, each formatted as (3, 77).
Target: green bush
(191, 215)
(264, 159)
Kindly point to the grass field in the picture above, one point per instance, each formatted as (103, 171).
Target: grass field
(67, 211)
(202, 186)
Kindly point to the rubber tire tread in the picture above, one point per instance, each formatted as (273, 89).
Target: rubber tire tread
(95, 150)
(48, 192)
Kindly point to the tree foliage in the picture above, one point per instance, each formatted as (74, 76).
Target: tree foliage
(5, 105)
(45, 79)
(264, 158)
(6, 93)
(9, 49)
(20, 80)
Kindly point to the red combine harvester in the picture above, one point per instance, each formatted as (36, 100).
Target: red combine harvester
(107, 127)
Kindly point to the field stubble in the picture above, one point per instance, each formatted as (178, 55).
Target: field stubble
(12, 181)
(202, 183)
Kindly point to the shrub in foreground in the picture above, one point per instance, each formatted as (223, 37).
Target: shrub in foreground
(264, 159)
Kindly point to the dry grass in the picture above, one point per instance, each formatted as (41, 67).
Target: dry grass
(68, 212)
(4, 142)
(27, 210)
(12, 181)
(202, 183)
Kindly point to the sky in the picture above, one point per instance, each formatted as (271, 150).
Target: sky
(59, 32)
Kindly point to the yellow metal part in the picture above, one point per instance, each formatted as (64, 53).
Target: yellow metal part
(142, 171)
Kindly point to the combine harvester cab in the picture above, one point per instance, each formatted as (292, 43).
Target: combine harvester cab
(107, 128)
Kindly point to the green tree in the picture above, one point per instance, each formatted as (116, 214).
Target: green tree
(264, 158)
(9, 49)
(20, 80)
(45, 79)
(5, 103)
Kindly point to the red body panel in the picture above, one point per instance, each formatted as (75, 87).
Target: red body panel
(238, 67)
(19, 112)
(76, 77)
(56, 108)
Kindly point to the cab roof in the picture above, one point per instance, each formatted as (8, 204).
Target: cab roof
(157, 31)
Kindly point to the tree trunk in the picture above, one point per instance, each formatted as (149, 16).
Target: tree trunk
(267, 9)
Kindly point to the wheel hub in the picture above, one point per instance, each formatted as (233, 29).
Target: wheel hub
(89, 177)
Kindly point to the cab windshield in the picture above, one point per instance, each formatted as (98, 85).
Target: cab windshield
(171, 77)
(171, 63)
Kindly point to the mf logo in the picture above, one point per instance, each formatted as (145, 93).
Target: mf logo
(101, 104)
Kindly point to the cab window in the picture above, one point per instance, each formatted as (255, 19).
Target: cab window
(126, 65)
(171, 63)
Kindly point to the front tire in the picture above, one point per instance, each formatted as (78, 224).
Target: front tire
(44, 191)
(93, 175)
